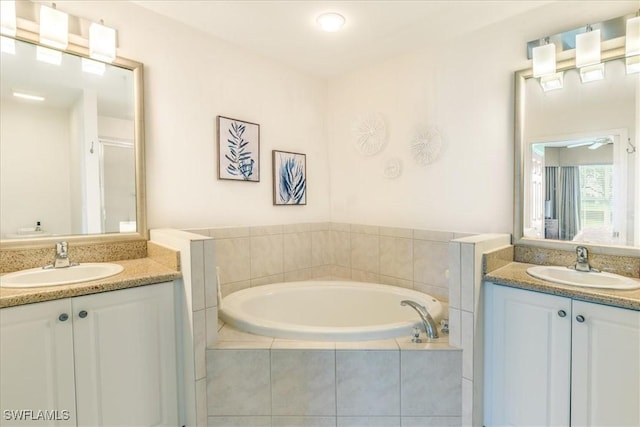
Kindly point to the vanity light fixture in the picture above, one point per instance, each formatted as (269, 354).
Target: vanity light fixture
(552, 81)
(8, 22)
(331, 22)
(544, 59)
(54, 27)
(28, 96)
(50, 56)
(93, 67)
(588, 55)
(102, 42)
(632, 45)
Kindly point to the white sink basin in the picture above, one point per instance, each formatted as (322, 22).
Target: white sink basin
(37, 277)
(591, 279)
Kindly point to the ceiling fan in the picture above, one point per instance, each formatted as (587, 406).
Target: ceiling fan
(594, 144)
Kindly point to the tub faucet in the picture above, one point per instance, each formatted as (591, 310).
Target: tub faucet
(62, 255)
(582, 259)
(429, 325)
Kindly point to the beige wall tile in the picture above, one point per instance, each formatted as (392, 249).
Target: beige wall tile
(365, 252)
(321, 248)
(396, 257)
(266, 255)
(431, 262)
(247, 373)
(233, 256)
(297, 251)
(303, 382)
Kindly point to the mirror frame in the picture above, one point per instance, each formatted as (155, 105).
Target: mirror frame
(141, 232)
(615, 51)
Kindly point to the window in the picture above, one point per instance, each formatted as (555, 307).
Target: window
(596, 196)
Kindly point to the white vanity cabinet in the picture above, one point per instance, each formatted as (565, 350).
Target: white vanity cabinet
(551, 360)
(106, 359)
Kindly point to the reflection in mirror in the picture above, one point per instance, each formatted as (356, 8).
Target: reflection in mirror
(579, 171)
(67, 146)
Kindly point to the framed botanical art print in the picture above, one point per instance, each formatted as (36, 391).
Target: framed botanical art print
(289, 178)
(238, 150)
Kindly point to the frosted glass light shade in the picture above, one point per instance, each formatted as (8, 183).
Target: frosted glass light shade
(544, 60)
(552, 81)
(102, 43)
(588, 48)
(8, 18)
(54, 28)
(592, 73)
(632, 43)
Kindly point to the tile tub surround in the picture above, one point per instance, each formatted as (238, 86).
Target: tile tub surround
(253, 256)
(24, 258)
(258, 380)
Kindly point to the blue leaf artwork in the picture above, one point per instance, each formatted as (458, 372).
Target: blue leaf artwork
(289, 178)
(238, 148)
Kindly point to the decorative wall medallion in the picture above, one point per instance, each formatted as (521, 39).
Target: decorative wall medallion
(371, 134)
(427, 146)
(392, 168)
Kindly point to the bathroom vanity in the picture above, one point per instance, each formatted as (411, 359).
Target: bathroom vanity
(558, 354)
(95, 353)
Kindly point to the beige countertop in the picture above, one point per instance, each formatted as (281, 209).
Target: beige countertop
(137, 272)
(515, 275)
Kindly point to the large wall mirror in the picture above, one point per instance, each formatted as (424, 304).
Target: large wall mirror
(71, 147)
(577, 167)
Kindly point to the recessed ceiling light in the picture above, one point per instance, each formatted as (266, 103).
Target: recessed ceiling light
(331, 22)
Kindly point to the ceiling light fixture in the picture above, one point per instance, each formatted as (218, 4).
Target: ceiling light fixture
(331, 22)
(632, 45)
(54, 27)
(102, 42)
(8, 23)
(28, 96)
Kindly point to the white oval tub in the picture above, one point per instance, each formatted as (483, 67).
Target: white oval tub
(327, 310)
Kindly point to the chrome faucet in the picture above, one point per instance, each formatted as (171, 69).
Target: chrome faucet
(582, 259)
(429, 325)
(62, 255)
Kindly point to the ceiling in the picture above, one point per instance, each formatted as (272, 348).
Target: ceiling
(375, 30)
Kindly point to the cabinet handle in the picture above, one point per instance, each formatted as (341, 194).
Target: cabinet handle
(63, 317)
(580, 318)
(83, 314)
(562, 313)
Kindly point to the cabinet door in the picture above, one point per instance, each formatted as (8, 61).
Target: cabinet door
(36, 365)
(125, 352)
(605, 388)
(527, 357)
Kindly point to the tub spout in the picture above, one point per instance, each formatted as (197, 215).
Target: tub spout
(429, 325)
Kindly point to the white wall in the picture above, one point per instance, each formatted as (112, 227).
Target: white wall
(464, 87)
(29, 168)
(190, 78)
